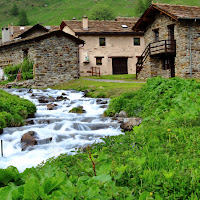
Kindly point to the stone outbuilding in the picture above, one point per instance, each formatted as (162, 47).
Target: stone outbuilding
(172, 40)
(111, 47)
(54, 53)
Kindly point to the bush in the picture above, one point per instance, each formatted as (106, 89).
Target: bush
(14, 110)
(26, 70)
(162, 101)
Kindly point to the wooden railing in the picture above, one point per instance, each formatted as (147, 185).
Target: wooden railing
(163, 47)
(95, 71)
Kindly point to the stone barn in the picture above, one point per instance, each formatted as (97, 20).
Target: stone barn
(54, 53)
(172, 40)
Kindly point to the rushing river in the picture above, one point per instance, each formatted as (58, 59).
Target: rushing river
(68, 130)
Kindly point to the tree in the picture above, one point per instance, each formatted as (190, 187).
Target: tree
(14, 10)
(23, 19)
(142, 5)
(101, 12)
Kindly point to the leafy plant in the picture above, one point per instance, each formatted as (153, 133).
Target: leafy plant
(26, 70)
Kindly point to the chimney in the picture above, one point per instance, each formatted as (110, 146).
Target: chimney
(85, 23)
(5, 34)
(11, 29)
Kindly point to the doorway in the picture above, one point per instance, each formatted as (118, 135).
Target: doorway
(119, 65)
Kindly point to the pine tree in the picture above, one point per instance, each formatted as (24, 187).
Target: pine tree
(14, 10)
(23, 19)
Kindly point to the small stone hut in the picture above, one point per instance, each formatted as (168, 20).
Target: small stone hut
(54, 53)
(172, 40)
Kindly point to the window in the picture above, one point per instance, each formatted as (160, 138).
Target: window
(166, 64)
(25, 53)
(156, 35)
(98, 60)
(102, 41)
(136, 41)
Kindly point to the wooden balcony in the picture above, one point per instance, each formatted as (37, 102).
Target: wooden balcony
(163, 48)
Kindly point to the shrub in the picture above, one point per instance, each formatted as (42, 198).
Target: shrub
(26, 70)
(14, 110)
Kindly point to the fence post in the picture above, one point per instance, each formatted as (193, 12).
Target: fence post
(1, 148)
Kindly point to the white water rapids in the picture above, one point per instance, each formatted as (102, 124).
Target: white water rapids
(68, 130)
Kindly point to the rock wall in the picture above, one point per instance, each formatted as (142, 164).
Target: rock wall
(153, 66)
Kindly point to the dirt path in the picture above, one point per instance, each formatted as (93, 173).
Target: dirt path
(113, 81)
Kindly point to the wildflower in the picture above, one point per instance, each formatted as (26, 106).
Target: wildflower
(177, 160)
(169, 130)
(151, 194)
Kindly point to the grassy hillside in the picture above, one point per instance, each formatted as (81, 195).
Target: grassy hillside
(52, 12)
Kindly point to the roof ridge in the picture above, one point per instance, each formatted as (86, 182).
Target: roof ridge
(173, 4)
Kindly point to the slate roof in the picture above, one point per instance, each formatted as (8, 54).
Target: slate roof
(175, 12)
(95, 26)
(18, 30)
(42, 36)
(179, 11)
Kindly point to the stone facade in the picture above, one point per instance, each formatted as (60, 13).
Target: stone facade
(153, 66)
(55, 57)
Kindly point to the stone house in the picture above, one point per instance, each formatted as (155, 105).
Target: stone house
(111, 47)
(54, 53)
(172, 40)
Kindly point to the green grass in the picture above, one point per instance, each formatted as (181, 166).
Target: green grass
(100, 89)
(56, 11)
(125, 77)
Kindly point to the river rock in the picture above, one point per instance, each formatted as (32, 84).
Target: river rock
(123, 114)
(44, 141)
(44, 99)
(30, 91)
(1, 131)
(127, 124)
(78, 109)
(28, 139)
(60, 98)
(29, 121)
(51, 106)
(101, 101)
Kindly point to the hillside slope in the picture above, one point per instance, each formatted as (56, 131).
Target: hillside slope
(52, 12)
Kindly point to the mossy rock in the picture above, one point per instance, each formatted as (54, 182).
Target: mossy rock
(78, 109)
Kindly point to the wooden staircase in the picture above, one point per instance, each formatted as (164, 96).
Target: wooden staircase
(141, 60)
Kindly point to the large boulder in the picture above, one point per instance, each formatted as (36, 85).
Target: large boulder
(28, 139)
(127, 124)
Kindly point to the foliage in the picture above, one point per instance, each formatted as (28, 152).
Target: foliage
(14, 110)
(14, 10)
(160, 100)
(101, 12)
(23, 19)
(142, 5)
(26, 70)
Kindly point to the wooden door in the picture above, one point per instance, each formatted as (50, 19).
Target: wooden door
(119, 65)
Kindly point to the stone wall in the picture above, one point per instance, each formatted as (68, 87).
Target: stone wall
(56, 61)
(55, 58)
(153, 66)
